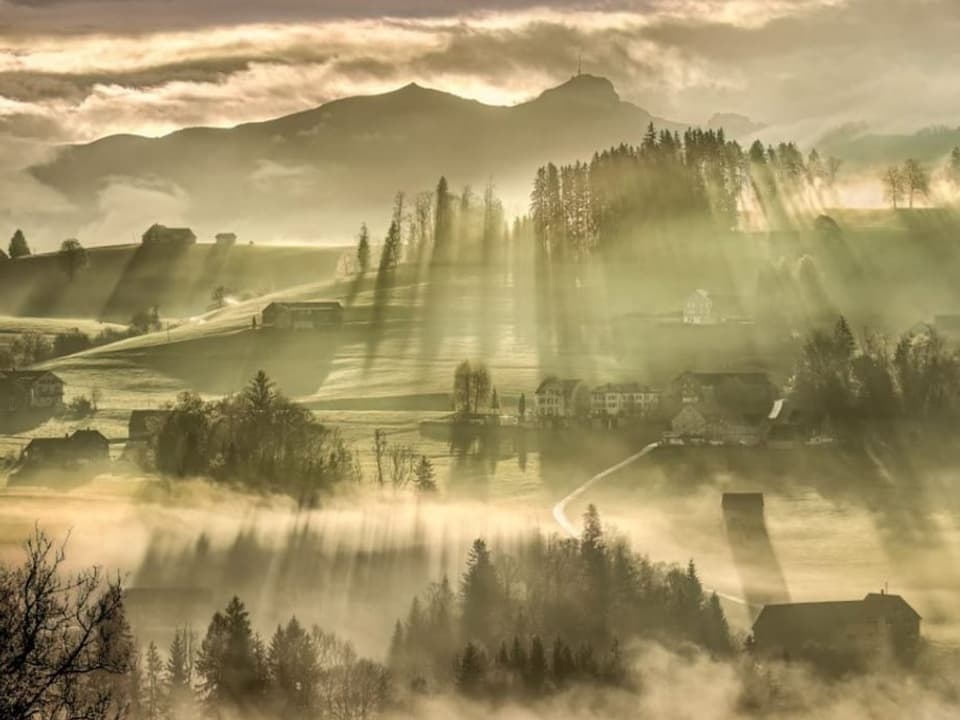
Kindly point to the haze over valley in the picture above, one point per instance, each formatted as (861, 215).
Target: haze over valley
(424, 360)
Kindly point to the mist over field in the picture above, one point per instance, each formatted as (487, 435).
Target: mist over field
(423, 360)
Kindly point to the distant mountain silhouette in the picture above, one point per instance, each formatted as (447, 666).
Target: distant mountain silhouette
(318, 173)
(735, 125)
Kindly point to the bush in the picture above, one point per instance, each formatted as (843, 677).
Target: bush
(81, 407)
(71, 342)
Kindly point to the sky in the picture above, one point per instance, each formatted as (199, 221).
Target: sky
(75, 70)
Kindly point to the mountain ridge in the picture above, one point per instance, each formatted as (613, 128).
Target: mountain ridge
(341, 162)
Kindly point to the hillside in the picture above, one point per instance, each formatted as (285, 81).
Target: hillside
(330, 167)
(120, 280)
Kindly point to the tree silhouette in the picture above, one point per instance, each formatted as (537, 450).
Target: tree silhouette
(65, 646)
(179, 671)
(442, 225)
(479, 591)
(894, 185)
(916, 179)
(425, 479)
(154, 697)
(71, 257)
(363, 249)
(471, 670)
(227, 663)
(18, 245)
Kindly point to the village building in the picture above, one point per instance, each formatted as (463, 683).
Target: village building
(162, 236)
(560, 399)
(302, 315)
(744, 388)
(726, 407)
(226, 239)
(624, 399)
(146, 424)
(845, 631)
(27, 390)
(83, 446)
(702, 307)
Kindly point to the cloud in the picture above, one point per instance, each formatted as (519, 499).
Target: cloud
(78, 69)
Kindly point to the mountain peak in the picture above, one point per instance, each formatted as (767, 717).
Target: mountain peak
(590, 88)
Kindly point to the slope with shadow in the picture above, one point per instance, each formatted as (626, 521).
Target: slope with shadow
(121, 280)
(329, 167)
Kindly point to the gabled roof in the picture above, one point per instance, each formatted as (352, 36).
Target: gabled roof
(308, 305)
(815, 616)
(79, 436)
(27, 376)
(566, 386)
(48, 443)
(632, 387)
(88, 435)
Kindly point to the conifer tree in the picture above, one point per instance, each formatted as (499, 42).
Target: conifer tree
(153, 692)
(471, 669)
(179, 672)
(537, 669)
(18, 245)
(479, 592)
(363, 249)
(442, 225)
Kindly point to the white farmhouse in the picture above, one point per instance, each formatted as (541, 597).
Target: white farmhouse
(698, 309)
(556, 398)
(619, 399)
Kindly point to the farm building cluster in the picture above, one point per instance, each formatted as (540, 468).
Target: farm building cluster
(736, 408)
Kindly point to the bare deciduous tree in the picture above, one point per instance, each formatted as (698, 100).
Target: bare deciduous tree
(893, 185)
(379, 451)
(65, 647)
(916, 180)
(402, 464)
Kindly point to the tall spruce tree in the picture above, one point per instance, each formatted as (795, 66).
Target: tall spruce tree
(363, 249)
(18, 245)
(479, 592)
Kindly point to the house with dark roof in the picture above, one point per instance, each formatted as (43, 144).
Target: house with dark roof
(728, 407)
(302, 315)
(83, 446)
(744, 388)
(558, 399)
(22, 390)
(162, 236)
(838, 633)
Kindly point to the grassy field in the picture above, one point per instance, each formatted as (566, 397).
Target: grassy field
(120, 280)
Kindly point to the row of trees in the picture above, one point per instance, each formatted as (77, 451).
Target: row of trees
(906, 181)
(258, 438)
(700, 175)
(71, 257)
(30, 348)
(473, 388)
(867, 384)
(530, 669)
(300, 673)
(440, 227)
(590, 594)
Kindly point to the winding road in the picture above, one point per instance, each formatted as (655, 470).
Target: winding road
(560, 509)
